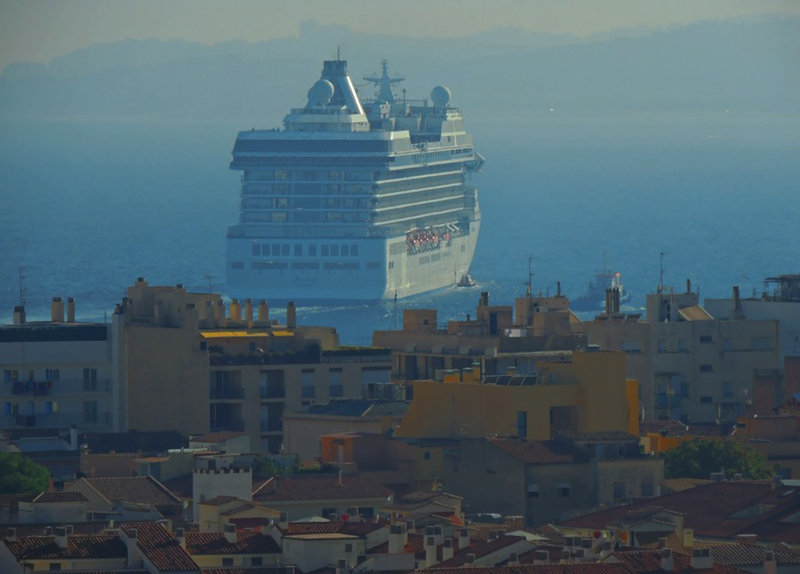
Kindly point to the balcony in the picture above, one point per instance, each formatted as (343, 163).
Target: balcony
(58, 388)
(667, 401)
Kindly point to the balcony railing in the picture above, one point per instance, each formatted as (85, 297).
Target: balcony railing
(61, 420)
(60, 388)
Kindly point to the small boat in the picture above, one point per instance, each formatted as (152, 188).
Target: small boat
(465, 281)
(594, 298)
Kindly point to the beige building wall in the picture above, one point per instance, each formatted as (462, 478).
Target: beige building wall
(699, 370)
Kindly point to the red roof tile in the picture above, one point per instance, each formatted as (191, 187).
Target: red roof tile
(649, 562)
(59, 496)
(160, 547)
(324, 487)
(216, 543)
(139, 489)
(741, 554)
(541, 451)
(78, 547)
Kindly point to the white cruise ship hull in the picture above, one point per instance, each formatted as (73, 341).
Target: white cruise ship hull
(375, 273)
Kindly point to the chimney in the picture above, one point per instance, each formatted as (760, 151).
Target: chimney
(609, 305)
(236, 310)
(11, 534)
(397, 538)
(737, 304)
(57, 310)
(770, 563)
(180, 536)
(410, 527)
(19, 315)
(263, 311)
(470, 559)
(73, 437)
(558, 288)
(230, 532)
(291, 315)
(513, 559)
(430, 551)
(666, 559)
(70, 310)
(219, 315)
(283, 521)
(447, 549)
(615, 299)
(688, 285)
(61, 537)
(688, 537)
(248, 312)
(701, 559)
(463, 538)
(130, 540)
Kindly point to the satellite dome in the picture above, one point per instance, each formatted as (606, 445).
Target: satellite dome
(320, 93)
(440, 96)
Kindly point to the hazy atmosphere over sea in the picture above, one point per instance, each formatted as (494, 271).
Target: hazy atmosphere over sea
(677, 136)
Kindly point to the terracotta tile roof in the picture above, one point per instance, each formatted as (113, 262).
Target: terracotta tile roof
(139, 489)
(599, 436)
(160, 547)
(78, 547)
(582, 568)
(649, 562)
(360, 529)
(252, 570)
(84, 528)
(740, 554)
(215, 437)
(216, 543)
(678, 484)
(325, 487)
(59, 496)
(479, 549)
(120, 571)
(717, 510)
(541, 451)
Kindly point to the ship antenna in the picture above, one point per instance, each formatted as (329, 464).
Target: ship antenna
(661, 270)
(530, 277)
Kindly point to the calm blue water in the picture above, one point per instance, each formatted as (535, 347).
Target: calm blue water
(89, 205)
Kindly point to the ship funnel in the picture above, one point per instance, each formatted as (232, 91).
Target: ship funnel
(344, 92)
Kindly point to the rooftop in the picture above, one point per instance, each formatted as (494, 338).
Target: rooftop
(160, 547)
(138, 489)
(541, 451)
(320, 487)
(215, 543)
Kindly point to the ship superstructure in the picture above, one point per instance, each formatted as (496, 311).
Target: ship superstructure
(354, 200)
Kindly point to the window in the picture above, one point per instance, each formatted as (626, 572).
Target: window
(354, 250)
(522, 424)
(345, 250)
(256, 249)
(727, 389)
(52, 374)
(427, 455)
(685, 390)
(705, 400)
(256, 561)
(391, 265)
(326, 250)
(631, 346)
(727, 345)
(533, 491)
(307, 384)
(328, 513)
(335, 388)
(7, 408)
(298, 250)
(312, 250)
(237, 265)
(706, 368)
(276, 250)
(563, 490)
(706, 339)
(54, 566)
(334, 251)
(10, 375)
(89, 379)
(90, 411)
(683, 346)
(348, 547)
(285, 250)
(662, 346)
(619, 491)
(227, 561)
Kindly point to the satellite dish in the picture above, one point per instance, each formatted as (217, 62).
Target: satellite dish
(320, 93)
(440, 96)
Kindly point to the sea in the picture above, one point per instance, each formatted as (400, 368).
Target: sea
(87, 205)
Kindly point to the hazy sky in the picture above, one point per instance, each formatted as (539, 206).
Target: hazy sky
(38, 30)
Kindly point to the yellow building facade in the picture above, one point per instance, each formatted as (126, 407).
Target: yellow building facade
(587, 392)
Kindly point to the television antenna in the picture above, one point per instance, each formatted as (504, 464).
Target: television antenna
(22, 289)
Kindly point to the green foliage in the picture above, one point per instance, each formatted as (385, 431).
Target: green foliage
(19, 474)
(699, 458)
(264, 467)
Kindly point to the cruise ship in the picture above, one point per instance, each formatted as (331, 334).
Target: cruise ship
(354, 200)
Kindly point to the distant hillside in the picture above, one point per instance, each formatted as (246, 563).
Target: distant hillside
(748, 65)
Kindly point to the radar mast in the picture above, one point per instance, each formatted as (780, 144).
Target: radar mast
(384, 83)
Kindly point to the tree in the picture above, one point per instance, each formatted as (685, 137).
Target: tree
(699, 458)
(19, 474)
